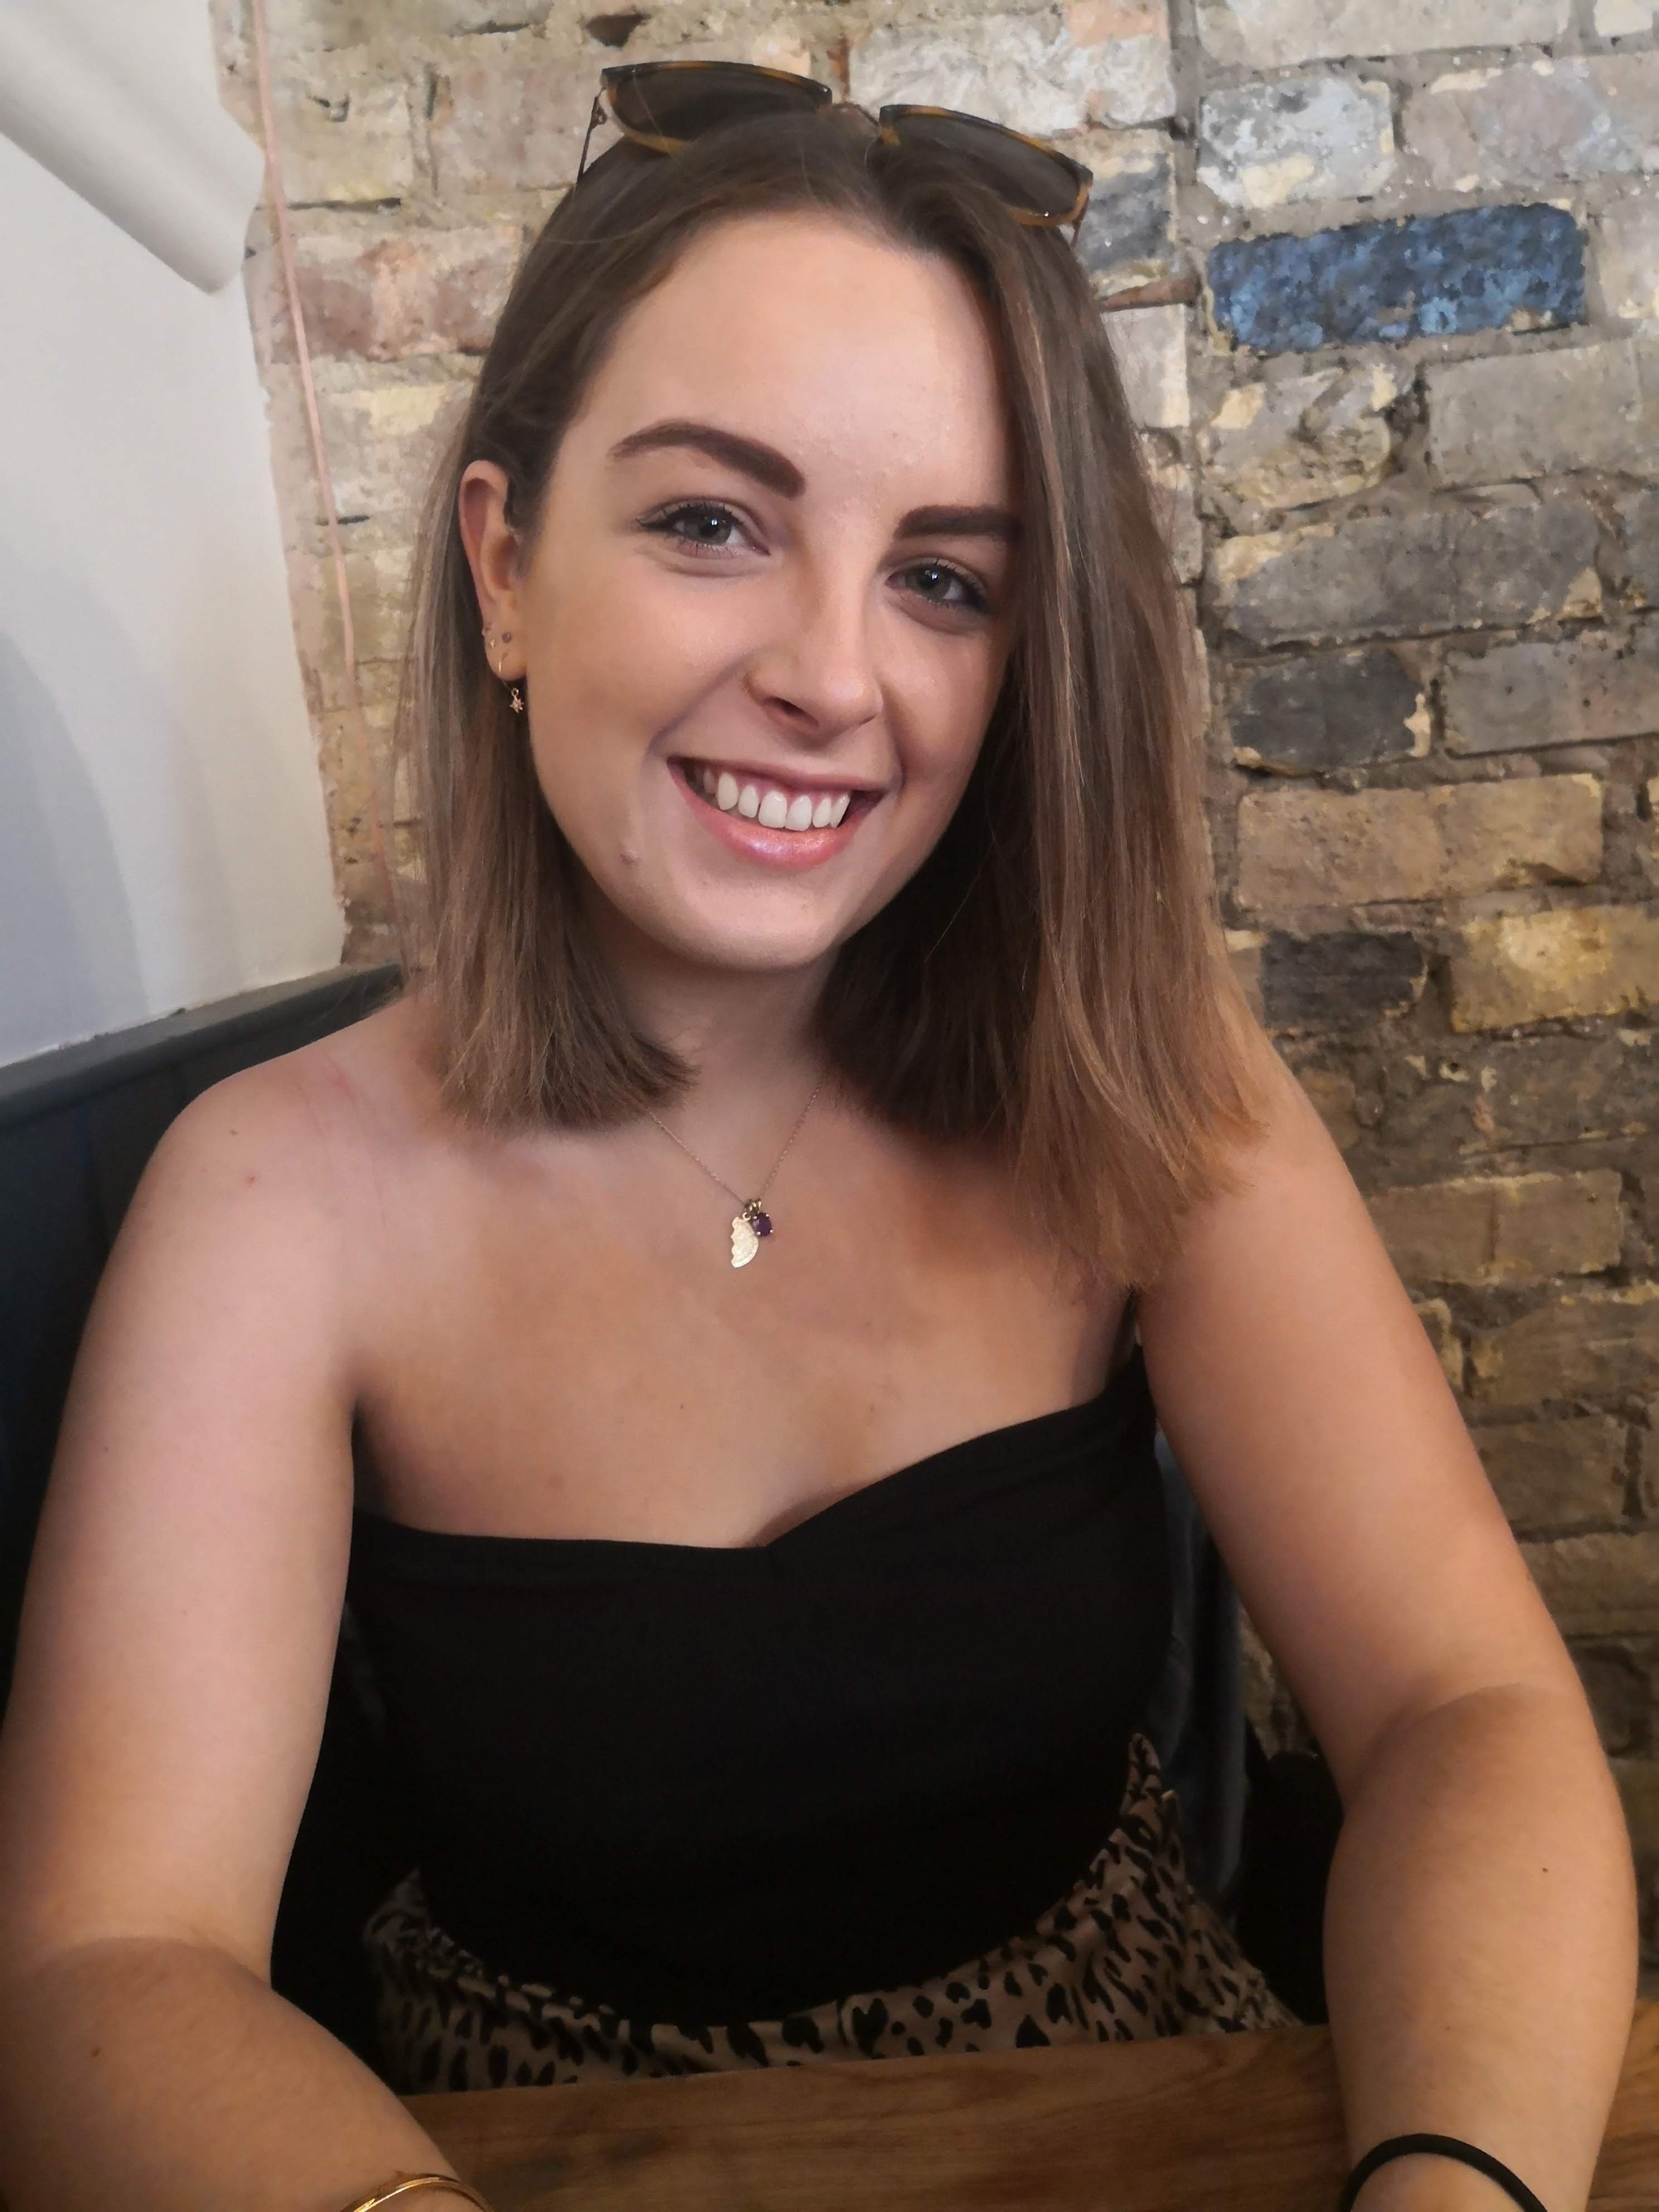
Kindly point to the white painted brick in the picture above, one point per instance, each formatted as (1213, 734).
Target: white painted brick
(1477, 129)
(383, 424)
(1299, 138)
(1579, 690)
(1543, 414)
(346, 134)
(1279, 33)
(1095, 61)
(508, 114)
(1623, 19)
(1299, 440)
(1151, 347)
(1627, 257)
(308, 25)
(1124, 46)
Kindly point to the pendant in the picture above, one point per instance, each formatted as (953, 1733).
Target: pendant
(747, 1229)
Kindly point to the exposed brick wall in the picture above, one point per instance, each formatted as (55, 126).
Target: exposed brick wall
(1410, 438)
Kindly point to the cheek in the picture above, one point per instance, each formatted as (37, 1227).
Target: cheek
(617, 657)
(941, 757)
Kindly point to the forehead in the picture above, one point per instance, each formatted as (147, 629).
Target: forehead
(811, 334)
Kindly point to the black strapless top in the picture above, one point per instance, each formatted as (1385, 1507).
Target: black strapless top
(702, 1784)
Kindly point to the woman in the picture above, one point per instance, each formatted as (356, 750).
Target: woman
(714, 1285)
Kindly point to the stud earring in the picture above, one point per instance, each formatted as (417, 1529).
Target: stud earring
(515, 697)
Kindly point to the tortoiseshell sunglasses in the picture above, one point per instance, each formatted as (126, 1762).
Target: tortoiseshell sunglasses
(664, 105)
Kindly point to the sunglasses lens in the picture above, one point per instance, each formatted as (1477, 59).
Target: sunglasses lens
(667, 101)
(1024, 175)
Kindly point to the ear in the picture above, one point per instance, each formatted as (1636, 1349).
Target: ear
(492, 552)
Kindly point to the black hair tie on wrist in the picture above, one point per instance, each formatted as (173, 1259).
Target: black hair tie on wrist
(1448, 2147)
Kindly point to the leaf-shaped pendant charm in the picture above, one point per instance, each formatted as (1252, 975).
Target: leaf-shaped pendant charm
(744, 1243)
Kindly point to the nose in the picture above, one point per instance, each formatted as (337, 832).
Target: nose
(817, 673)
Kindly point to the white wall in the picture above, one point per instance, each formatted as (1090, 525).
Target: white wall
(162, 835)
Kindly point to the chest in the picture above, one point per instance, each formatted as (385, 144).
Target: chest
(560, 1345)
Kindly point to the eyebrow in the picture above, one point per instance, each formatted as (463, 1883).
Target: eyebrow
(768, 466)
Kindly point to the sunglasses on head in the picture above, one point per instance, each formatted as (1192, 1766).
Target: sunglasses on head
(664, 105)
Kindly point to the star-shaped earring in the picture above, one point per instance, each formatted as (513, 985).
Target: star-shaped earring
(515, 697)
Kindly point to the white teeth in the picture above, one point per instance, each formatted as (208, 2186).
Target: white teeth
(772, 808)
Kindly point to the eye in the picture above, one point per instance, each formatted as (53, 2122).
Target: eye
(663, 524)
(975, 602)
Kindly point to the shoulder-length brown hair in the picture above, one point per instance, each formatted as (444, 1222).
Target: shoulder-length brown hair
(1051, 980)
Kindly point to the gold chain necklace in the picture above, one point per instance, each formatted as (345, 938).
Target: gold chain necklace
(751, 1222)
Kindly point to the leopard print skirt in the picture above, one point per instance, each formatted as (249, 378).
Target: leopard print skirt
(1132, 1951)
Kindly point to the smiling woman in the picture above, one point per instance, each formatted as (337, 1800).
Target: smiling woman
(765, 1605)
(855, 762)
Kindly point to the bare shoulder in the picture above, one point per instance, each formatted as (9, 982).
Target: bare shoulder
(374, 1081)
(316, 1123)
(382, 1069)
(1312, 1416)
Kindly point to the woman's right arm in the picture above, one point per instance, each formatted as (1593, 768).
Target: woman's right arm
(174, 1656)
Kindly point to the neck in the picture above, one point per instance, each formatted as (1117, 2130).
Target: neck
(747, 1034)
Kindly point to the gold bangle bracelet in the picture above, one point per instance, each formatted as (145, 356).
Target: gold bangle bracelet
(401, 2184)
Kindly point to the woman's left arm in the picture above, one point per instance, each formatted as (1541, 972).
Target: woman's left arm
(1480, 1931)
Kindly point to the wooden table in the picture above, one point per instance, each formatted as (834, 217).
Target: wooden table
(1181, 2123)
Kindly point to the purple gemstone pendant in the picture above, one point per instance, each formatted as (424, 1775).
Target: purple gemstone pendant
(747, 1229)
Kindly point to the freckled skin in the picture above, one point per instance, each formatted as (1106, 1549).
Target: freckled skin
(802, 635)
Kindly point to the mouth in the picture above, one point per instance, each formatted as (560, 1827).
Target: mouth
(776, 804)
(789, 824)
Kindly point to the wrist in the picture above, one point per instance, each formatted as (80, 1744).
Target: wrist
(402, 2185)
(1424, 2181)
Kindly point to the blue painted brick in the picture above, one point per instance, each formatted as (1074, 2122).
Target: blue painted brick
(1423, 277)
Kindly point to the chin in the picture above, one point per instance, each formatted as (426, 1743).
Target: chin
(765, 928)
(755, 954)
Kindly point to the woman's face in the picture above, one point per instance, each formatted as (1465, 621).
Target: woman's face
(772, 586)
